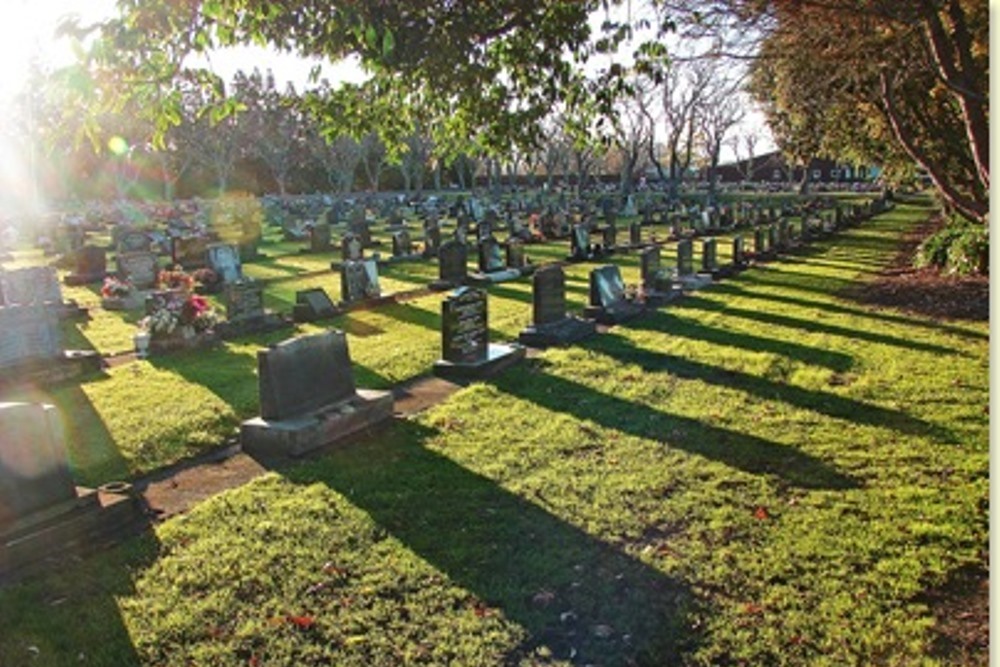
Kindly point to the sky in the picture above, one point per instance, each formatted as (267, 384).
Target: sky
(27, 31)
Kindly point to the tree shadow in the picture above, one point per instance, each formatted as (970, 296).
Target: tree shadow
(700, 303)
(674, 326)
(577, 596)
(739, 450)
(831, 405)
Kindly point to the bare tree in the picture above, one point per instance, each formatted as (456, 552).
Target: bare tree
(723, 110)
(374, 159)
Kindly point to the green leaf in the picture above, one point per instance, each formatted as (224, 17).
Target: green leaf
(388, 43)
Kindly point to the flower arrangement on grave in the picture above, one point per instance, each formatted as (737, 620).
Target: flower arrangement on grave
(176, 279)
(208, 279)
(113, 288)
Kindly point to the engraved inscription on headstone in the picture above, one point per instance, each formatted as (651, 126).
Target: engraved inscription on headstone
(465, 333)
(244, 300)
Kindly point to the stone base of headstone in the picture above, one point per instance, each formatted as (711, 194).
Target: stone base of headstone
(299, 435)
(622, 311)
(71, 528)
(498, 358)
(442, 285)
(71, 364)
(554, 334)
(181, 340)
(658, 298)
(266, 323)
(693, 281)
(366, 304)
(395, 259)
(483, 278)
(71, 310)
(134, 301)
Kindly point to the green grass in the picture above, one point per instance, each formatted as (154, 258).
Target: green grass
(763, 473)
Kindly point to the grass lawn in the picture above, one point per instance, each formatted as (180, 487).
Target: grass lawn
(762, 473)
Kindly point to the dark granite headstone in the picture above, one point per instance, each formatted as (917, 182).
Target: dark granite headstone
(580, 243)
(606, 286)
(190, 252)
(34, 467)
(432, 240)
(351, 248)
(739, 252)
(319, 237)
(90, 266)
(759, 241)
(610, 237)
(655, 279)
(464, 327)
(402, 246)
(548, 295)
(515, 254)
(244, 300)
(490, 256)
(303, 374)
(685, 257)
(709, 255)
(452, 263)
(635, 235)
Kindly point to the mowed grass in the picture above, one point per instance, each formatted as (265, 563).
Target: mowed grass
(763, 473)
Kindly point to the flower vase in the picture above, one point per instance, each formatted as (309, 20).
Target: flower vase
(141, 341)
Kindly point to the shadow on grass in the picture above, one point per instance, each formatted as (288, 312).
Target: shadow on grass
(829, 306)
(738, 450)
(667, 323)
(700, 303)
(572, 593)
(71, 615)
(824, 403)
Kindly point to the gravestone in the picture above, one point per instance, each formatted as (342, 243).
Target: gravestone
(490, 256)
(139, 268)
(432, 240)
(772, 238)
(685, 258)
(515, 254)
(551, 324)
(308, 398)
(359, 281)
(224, 259)
(402, 245)
(465, 348)
(635, 235)
(33, 285)
(609, 303)
(452, 265)
(739, 252)
(29, 334)
(319, 237)
(484, 230)
(312, 304)
(90, 266)
(610, 237)
(351, 248)
(760, 242)
(709, 255)
(461, 234)
(579, 250)
(657, 282)
(244, 301)
(34, 467)
(130, 240)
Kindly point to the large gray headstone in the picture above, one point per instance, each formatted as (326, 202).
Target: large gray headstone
(28, 333)
(359, 280)
(301, 375)
(139, 268)
(685, 257)
(34, 470)
(244, 301)
(33, 285)
(606, 286)
(490, 256)
(452, 260)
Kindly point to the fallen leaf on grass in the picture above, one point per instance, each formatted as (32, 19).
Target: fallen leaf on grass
(761, 514)
(301, 622)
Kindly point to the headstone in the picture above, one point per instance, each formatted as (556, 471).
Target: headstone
(402, 246)
(190, 252)
(656, 281)
(760, 241)
(319, 237)
(351, 248)
(630, 209)
(490, 256)
(432, 240)
(29, 333)
(312, 304)
(90, 266)
(709, 255)
(244, 300)
(464, 322)
(452, 265)
(515, 254)
(224, 259)
(139, 268)
(739, 251)
(635, 235)
(133, 241)
(580, 243)
(685, 257)
(359, 280)
(34, 467)
(308, 398)
(610, 237)
(33, 285)
(609, 303)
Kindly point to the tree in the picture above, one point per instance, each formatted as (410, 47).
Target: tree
(723, 110)
(632, 134)
(374, 159)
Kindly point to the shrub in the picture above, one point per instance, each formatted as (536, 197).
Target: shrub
(959, 247)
